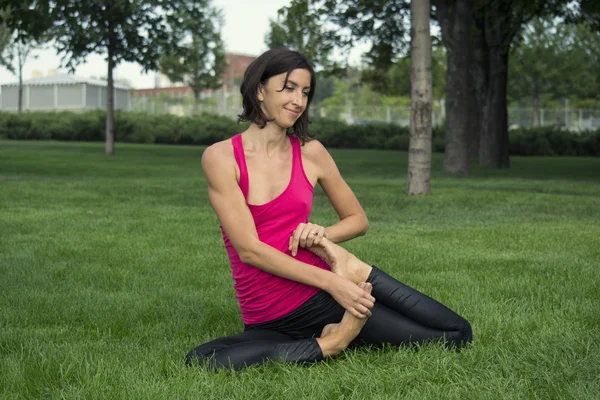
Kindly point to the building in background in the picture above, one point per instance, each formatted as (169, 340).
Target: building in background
(177, 98)
(63, 92)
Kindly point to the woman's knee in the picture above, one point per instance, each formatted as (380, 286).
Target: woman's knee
(200, 354)
(194, 358)
(463, 335)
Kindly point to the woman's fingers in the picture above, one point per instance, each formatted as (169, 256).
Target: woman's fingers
(365, 298)
(306, 231)
(353, 298)
(366, 302)
(364, 306)
(315, 236)
(295, 239)
(362, 312)
(306, 235)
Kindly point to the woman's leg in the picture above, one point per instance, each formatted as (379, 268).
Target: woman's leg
(412, 305)
(258, 346)
(387, 326)
(252, 348)
(399, 309)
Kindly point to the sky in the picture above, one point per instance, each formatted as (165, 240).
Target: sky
(246, 23)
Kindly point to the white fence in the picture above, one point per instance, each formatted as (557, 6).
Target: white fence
(574, 119)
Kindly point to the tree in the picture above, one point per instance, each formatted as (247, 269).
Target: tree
(553, 59)
(493, 26)
(455, 18)
(198, 59)
(498, 23)
(346, 93)
(478, 81)
(300, 27)
(5, 33)
(16, 53)
(17, 41)
(324, 89)
(396, 80)
(584, 12)
(383, 23)
(419, 153)
(481, 33)
(123, 30)
(30, 17)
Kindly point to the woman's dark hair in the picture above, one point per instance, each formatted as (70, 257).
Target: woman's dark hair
(270, 63)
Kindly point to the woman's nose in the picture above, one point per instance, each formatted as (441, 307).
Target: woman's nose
(297, 98)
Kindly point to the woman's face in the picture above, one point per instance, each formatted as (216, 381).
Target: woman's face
(287, 105)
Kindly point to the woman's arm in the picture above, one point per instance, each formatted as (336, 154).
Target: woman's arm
(230, 206)
(353, 220)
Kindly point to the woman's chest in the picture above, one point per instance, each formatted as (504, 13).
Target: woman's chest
(268, 179)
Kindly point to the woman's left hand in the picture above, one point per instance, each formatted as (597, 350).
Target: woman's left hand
(306, 235)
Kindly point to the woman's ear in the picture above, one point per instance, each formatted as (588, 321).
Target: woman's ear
(260, 95)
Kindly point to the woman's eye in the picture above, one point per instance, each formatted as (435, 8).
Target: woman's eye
(289, 88)
(305, 94)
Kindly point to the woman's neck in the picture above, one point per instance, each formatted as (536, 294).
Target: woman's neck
(268, 139)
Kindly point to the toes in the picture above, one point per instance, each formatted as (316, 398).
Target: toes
(366, 286)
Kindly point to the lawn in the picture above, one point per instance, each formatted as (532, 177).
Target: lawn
(112, 269)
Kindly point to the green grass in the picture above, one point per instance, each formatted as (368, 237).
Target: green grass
(112, 269)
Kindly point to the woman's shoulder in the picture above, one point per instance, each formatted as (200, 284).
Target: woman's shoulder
(314, 150)
(219, 154)
(219, 149)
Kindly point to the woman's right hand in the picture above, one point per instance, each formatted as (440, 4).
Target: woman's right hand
(354, 299)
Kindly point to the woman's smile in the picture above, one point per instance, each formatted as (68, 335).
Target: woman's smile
(294, 113)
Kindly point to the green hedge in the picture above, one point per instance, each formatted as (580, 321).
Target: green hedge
(550, 141)
(130, 127)
(206, 129)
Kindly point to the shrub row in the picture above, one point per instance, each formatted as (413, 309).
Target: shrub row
(129, 127)
(550, 141)
(206, 129)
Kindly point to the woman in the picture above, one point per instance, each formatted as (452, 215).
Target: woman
(302, 297)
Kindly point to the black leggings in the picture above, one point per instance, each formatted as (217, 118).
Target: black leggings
(401, 316)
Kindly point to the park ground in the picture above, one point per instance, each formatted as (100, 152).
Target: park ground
(113, 268)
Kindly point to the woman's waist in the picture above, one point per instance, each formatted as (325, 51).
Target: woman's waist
(251, 281)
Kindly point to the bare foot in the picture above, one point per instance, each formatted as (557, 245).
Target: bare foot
(330, 329)
(336, 337)
(341, 261)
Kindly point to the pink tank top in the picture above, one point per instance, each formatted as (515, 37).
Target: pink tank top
(262, 296)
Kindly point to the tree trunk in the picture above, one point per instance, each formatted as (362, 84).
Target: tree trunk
(373, 109)
(536, 105)
(20, 62)
(110, 107)
(196, 100)
(455, 21)
(419, 152)
(493, 149)
(479, 71)
(474, 123)
(20, 100)
(477, 90)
